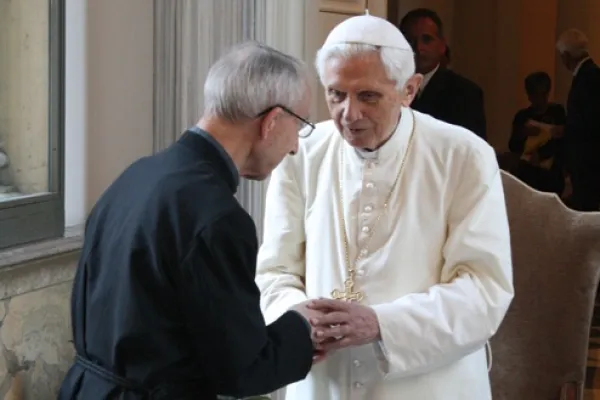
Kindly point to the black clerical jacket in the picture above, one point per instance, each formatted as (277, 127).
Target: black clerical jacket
(582, 131)
(454, 99)
(582, 137)
(164, 304)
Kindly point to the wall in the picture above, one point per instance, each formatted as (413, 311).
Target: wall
(538, 21)
(35, 351)
(109, 103)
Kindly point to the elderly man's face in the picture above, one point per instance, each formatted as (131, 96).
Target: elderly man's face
(568, 61)
(277, 137)
(363, 102)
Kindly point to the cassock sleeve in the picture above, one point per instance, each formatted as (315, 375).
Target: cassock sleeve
(425, 331)
(242, 355)
(281, 260)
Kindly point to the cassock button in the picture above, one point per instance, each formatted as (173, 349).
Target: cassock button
(358, 385)
(366, 229)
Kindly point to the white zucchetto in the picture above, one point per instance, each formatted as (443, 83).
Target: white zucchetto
(367, 29)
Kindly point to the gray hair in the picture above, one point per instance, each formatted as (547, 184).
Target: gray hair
(399, 64)
(249, 79)
(573, 42)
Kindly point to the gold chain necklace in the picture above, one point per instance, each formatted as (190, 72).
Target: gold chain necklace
(348, 294)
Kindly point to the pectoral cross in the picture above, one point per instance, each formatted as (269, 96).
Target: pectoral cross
(348, 294)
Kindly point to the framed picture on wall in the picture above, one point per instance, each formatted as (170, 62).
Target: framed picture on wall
(352, 7)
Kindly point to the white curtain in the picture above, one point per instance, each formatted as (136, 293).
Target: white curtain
(190, 35)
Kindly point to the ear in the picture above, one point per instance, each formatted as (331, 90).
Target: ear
(268, 122)
(410, 90)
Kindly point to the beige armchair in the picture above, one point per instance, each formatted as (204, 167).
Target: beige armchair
(540, 350)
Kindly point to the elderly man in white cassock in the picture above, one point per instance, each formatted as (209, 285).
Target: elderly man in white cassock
(398, 222)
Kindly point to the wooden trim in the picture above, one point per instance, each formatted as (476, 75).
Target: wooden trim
(350, 14)
(27, 223)
(348, 7)
(393, 11)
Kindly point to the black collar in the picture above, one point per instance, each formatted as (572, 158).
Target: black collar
(208, 148)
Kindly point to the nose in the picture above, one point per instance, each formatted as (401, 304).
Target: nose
(420, 46)
(352, 110)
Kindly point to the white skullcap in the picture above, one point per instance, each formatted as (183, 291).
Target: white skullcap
(367, 29)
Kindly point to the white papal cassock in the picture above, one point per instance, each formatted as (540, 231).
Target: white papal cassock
(437, 269)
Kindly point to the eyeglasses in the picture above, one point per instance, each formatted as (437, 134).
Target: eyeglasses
(306, 127)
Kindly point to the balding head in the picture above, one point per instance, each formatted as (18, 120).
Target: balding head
(572, 45)
(573, 42)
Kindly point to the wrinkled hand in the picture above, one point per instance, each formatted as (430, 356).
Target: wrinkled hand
(310, 314)
(307, 312)
(342, 324)
(318, 356)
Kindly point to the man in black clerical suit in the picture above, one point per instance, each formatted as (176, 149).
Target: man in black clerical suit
(444, 94)
(164, 303)
(582, 130)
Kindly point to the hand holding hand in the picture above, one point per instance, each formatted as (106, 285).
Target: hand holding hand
(307, 312)
(318, 356)
(342, 324)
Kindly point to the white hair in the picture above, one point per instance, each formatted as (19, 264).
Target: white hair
(251, 78)
(573, 42)
(399, 64)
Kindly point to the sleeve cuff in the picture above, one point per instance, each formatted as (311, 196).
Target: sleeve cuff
(299, 352)
(306, 323)
(381, 353)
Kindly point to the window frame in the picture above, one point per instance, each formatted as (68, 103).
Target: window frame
(37, 217)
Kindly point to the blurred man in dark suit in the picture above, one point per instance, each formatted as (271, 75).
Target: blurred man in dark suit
(582, 130)
(444, 94)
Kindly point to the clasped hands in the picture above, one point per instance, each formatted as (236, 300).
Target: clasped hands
(338, 324)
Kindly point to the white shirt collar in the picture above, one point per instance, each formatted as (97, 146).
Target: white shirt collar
(395, 145)
(427, 77)
(578, 67)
